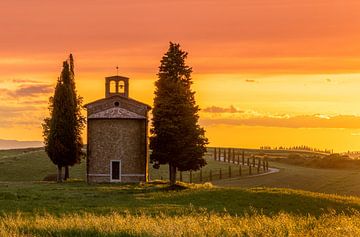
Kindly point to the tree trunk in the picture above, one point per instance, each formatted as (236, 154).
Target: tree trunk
(59, 177)
(67, 174)
(172, 173)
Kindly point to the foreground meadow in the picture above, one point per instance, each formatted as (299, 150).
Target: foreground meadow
(31, 207)
(78, 209)
(197, 224)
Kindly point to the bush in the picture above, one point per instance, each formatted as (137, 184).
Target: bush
(332, 161)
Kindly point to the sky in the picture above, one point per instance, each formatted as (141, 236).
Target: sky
(265, 72)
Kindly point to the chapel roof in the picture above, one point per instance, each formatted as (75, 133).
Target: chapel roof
(117, 96)
(116, 112)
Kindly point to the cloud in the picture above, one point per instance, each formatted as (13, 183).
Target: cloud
(24, 116)
(215, 109)
(4, 92)
(302, 121)
(27, 91)
(25, 81)
(23, 106)
(249, 80)
(33, 90)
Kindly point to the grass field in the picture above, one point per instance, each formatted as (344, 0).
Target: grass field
(15, 165)
(335, 181)
(74, 208)
(332, 161)
(34, 165)
(30, 207)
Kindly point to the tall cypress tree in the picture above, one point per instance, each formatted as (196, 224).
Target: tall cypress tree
(62, 130)
(176, 137)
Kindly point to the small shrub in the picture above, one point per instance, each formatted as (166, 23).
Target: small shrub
(50, 177)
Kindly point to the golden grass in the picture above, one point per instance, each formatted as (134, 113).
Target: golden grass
(201, 224)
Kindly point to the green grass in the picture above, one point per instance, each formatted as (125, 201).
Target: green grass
(14, 152)
(34, 165)
(214, 166)
(334, 181)
(195, 224)
(263, 206)
(77, 197)
(78, 209)
(332, 161)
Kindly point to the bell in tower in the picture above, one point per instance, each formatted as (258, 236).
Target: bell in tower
(116, 85)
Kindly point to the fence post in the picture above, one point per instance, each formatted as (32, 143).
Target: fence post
(243, 157)
(227, 154)
(248, 161)
(190, 176)
(224, 154)
(219, 152)
(253, 161)
(200, 175)
(230, 155)
(210, 175)
(234, 156)
(220, 175)
(229, 171)
(239, 170)
(267, 165)
(180, 176)
(258, 165)
(249, 169)
(161, 178)
(264, 166)
(215, 153)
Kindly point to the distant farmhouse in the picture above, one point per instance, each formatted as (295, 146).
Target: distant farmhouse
(117, 135)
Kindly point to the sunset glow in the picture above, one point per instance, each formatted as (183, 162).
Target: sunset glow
(275, 72)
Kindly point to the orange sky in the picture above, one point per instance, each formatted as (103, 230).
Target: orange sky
(266, 72)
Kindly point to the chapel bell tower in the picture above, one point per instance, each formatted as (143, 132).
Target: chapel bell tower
(116, 85)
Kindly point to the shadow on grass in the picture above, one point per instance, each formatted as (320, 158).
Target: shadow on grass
(71, 232)
(266, 201)
(158, 197)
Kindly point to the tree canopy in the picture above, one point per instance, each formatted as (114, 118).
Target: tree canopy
(62, 130)
(176, 138)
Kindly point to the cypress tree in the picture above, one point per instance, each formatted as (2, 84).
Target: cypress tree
(62, 130)
(176, 137)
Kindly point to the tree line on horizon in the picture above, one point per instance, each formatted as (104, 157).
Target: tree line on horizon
(297, 148)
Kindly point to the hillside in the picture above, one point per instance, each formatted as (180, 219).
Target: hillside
(335, 181)
(32, 164)
(31, 207)
(13, 144)
(100, 210)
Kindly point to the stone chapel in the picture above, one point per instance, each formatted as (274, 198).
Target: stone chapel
(117, 135)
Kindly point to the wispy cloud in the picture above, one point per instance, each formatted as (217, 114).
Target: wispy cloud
(25, 81)
(27, 90)
(33, 90)
(250, 80)
(302, 121)
(19, 115)
(216, 109)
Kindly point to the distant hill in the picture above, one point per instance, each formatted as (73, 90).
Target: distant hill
(11, 144)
